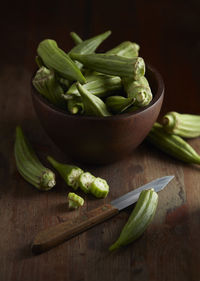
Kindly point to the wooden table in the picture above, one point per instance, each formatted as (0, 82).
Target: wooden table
(170, 248)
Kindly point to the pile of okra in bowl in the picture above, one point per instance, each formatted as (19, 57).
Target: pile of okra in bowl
(96, 107)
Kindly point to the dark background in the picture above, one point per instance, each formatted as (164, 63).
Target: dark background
(167, 31)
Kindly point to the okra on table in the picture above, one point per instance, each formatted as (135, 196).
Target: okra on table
(70, 173)
(29, 166)
(173, 145)
(183, 125)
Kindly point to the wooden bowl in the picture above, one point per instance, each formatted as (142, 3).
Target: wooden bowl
(100, 140)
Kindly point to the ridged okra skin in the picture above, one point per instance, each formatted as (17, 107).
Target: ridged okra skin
(93, 106)
(183, 125)
(46, 84)
(126, 49)
(173, 145)
(29, 166)
(69, 173)
(56, 59)
(99, 85)
(112, 64)
(139, 219)
(118, 104)
(90, 45)
(74, 200)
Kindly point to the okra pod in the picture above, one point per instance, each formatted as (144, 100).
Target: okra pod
(77, 39)
(47, 85)
(85, 181)
(112, 64)
(139, 219)
(118, 104)
(125, 49)
(90, 45)
(29, 166)
(138, 89)
(55, 58)
(69, 173)
(99, 188)
(75, 201)
(183, 125)
(99, 85)
(93, 106)
(173, 145)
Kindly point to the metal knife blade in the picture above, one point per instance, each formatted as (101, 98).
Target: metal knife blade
(131, 197)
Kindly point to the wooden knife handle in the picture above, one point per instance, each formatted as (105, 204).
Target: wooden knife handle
(55, 235)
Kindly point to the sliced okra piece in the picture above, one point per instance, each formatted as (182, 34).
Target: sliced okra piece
(85, 181)
(99, 188)
(74, 200)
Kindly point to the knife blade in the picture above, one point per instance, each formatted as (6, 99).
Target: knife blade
(55, 235)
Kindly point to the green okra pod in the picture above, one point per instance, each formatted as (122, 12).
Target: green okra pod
(93, 106)
(90, 45)
(173, 145)
(125, 49)
(77, 39)
(112, 64)
(29, 166)
(118, 104)
(139, 219)
(46, 84)
(183, 125)
(99, 85)
(56, 59)
(139, 90)
(74, 200)
(69, 173)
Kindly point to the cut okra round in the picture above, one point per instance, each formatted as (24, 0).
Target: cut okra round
(74, 200)
(99, 188)
(73, 178)
(85, 181)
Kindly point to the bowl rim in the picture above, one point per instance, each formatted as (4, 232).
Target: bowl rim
(156, 98)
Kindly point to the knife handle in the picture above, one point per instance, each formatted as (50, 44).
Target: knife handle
(55, 235)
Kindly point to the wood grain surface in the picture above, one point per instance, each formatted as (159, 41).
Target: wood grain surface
(168, 33)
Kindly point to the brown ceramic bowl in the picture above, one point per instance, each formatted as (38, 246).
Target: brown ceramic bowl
(100, 140)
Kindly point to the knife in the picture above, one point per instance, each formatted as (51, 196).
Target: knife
(55, 235)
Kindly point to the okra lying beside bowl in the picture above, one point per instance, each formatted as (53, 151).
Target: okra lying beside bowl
(104, 108)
